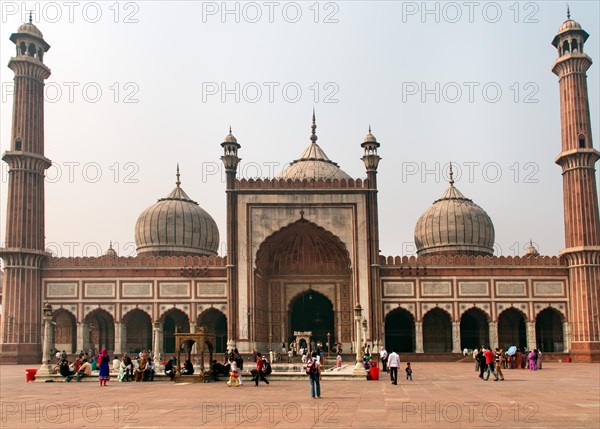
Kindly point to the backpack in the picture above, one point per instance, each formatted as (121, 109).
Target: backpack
(267, 367)
(311, 368)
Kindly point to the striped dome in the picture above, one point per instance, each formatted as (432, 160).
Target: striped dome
(454, 224)
(176, 225)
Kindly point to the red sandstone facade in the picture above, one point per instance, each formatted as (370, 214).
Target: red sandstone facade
(293, 242)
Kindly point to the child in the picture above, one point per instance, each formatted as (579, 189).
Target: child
(233, 374)
(338, 362)
(408, 371)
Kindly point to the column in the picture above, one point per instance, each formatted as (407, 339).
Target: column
(418, 337)
(566, 337)
(156, 343)
(493, 328)
(358, 368)
(456, 337)
(531, 341)
(119, 337)
(83, 336)
(195, 346)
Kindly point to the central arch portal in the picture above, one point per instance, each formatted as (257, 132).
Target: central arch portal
(302, 282)
(312, 311)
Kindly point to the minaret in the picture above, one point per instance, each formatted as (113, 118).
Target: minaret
(578, 159)
(23, 251)
(230, 162)
(371, 160)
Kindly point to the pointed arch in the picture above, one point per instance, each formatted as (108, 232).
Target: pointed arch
(549, 330)
(215, 323)
(474, 328)
(512, 330)
(101, 329)
(400, 331)
(65, 333)
(437, 331)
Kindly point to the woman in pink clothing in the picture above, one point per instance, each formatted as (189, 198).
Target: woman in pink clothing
(532, 361)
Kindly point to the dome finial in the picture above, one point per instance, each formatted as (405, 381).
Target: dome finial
(568, 12)
(178, 182)
(30, 16)
(313, 137)
(451, 181)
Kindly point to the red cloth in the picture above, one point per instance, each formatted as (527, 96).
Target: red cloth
(489, 356)
(259, 364)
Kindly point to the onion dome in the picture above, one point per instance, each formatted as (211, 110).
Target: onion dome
(454, 224)
(29, 28)
(531, 250)
(110, 251)
(569, 26)
(370, 138)
(230, 138)
(313, 163)
(176, 225)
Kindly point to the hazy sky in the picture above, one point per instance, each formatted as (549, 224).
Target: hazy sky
(138, 86)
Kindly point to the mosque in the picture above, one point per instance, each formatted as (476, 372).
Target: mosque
(302, 254)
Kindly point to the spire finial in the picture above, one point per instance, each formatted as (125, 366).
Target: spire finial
(451, 181)
(313, 137)
(178, 182)
(30, 16)
(110, 245)
(568, 12)
(301, 214)
(230, 129)
(369, 128)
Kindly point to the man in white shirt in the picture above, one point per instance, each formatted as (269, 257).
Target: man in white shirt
(383, 355)
(393, 364)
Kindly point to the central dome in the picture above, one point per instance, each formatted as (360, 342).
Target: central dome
(176, 225)
(313, 163)
(454, 224)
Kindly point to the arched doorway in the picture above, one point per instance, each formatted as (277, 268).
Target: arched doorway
(549, 331)
(138, 331)
(312, 311)
(437, 332)
(65, 333)
(400, 331)
(511, 329)
(101, 330)
(174, 320)
(291, 264)
(474, 329)
(215, 323)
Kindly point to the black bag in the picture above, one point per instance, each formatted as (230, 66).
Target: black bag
(267, 368)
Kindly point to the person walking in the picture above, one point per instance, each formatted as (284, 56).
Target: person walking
(499, 359)
(383, 355)
(393, 364)
(489, 362)
(260, 364)
(313, 369)
(480, 358)
(408, 371)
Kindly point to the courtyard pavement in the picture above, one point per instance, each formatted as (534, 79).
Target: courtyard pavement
(442, 395)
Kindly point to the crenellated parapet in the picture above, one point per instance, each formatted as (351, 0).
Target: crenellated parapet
(464, 260)
(266, 183)
(137, 262)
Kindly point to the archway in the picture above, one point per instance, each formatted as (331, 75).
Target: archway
(138, 331)
(474, 329)
(511, 329)
(101, 330)
(174, 320)
(549, 331)
(65, 334)
(215, 323)
(289, 261)
(400, 331)
(312, 311)
(437, 332)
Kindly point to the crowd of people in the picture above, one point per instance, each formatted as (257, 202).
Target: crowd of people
(488, 361)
